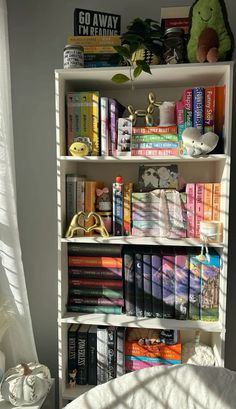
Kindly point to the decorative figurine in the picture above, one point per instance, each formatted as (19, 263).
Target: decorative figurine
(142, 113)
(103, 201)
(197, 144)
(75, 224)
(81, 147)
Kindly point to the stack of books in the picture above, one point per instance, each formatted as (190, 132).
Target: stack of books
(95, 278)
(154, 141)
(98, 50)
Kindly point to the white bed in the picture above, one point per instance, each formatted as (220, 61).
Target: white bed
(176, 387)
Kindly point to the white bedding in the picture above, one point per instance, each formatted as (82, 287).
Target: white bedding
(176, 387)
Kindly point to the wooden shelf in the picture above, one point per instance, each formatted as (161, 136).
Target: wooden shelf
(72, 393)
(139, 159)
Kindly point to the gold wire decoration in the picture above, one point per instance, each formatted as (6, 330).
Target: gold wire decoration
(147, 114)
(79, 218)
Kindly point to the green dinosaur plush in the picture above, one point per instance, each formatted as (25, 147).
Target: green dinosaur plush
(210, 36)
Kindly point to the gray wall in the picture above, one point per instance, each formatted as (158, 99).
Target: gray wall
(37, 33)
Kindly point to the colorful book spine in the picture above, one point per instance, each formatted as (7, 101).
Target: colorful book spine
(92, 355)
(194, 286)
(99, 309)
(98, 261)
(95, 292)
(102, 352)
(190, 191)
(150, 138)
(95, 272)
(209, 110)
(129, 282)
(111, 352)
(90, 200)
(199, 207)
(157, 305)
(114, 113)
(147, 224)
(97, 64)
(72, 353)
(95, 301)
(94, 40)
(141, 232)
(147, 285)
(155, 152)
(187, 99)
(181, 284)
(208, 201)
(154, 130)
(128, 188)
(89, 249)
(198, 108)
(210, 275)
(176, 205)
(145, 197)
(219, 117)
(104, 127)
(118, 208)
(99, 49)
(120, 351)
(216, 199)
(138, 280)
(144, 215)
(71, 198)
(155, 145)
(72, 120)
(168, 284)
(82, 357)
(97, 283)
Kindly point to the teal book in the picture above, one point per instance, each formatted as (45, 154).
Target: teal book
(210, 277)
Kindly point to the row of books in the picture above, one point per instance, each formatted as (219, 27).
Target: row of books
(97, 354)
(95, 117)
(171, 283)
(202, 108)
(143, 281)
(98, 50)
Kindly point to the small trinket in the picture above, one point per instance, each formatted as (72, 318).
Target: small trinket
(73, 56)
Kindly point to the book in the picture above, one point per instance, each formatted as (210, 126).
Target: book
(92, 355)
(177, 217)
(95, 292)
(72, 354)
(98, 249)
(95, 272)
(209, 109)
(177, 16)
(216, 199)
(104, 126)
(115, 111)
(90, 201)
(124, 136)
(83, 118)
(181, 283)
(129, 284)
(100, 309)
(156, 145)
(96, 282)
(150, 138)
(194, 285)
(157, 303)
(120, 351)
(102, 354)
(210, 276)
(168, 283)
(190, 192)
(74, 198)
(118, 208)
(82, 357)
(138, 280)
(207, 201)
(155, 152)
(128, 188)
(219, 117)
(94, 41)
(111, 352)
(95, 23)
(199, 207)
(95, 301)
(147, 284)
(198, 108)
(96, 261)
(153, 130)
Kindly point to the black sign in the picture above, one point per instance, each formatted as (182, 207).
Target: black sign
(95, 23)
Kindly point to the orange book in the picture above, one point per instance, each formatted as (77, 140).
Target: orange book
(90, 200)
(207, 201)
(128, 188)
(83, 261)
(216, 201)
(157, 350)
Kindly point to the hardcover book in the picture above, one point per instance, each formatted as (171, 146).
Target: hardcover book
(210, 277)
(190, 192)
(94, 41)
(90, 249)
(96, 261)
(95, 283)
(92, 355)
(82, 357)
(129, 281)
(216, 198)
(120, 351)
(181, 283)
(147, 284)
(168, 283)
(199, 207)
(111, 347)
(91, 309)
(72, 353)
(138, 279)
(198, 108)
(102, 354)
(118, 209)
(95, 292)
(95, 272)
(157, 303)
(104, 126)
(128, 188)
(194, 286)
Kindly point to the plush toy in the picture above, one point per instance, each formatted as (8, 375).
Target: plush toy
(197, 144)
(210, 36)
(81, 147)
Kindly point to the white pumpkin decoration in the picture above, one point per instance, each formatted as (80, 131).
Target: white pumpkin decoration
(25, 384)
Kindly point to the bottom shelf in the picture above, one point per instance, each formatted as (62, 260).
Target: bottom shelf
(72, 393)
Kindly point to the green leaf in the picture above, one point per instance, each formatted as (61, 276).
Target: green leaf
(137, 71)
(144, 65)
(120, 78)
(123, 51)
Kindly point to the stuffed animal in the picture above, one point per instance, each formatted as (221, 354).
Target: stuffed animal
(81, 147)
(210, 36)
(197, 144)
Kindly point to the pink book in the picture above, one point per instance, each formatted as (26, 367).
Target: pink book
(190, 190)
(199, 203)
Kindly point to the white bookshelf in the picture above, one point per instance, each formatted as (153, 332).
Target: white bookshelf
(167, 82)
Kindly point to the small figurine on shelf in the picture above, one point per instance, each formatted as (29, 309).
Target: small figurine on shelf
(103, 200)
(81, 147)
(196, 144)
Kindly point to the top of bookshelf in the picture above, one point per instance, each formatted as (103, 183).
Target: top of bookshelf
(175, 75)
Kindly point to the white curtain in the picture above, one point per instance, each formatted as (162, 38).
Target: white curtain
(18, 342)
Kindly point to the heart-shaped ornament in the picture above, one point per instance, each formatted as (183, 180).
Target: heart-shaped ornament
(197, 144)
(79, 220)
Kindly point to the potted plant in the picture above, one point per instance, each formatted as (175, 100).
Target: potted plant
(141, 47)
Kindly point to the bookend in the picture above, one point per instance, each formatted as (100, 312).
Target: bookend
(79, 218)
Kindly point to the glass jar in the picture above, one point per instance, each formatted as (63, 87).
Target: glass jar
(73, 56)
(174, 46)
